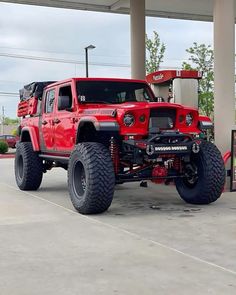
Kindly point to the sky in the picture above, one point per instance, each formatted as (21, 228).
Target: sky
(63, 34)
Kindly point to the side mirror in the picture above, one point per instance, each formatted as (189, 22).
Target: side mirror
(64, 103)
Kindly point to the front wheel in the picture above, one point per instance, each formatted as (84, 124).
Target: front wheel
(204, 176)
(91, 178)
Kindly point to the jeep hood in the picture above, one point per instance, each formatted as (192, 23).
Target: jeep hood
(132, 106)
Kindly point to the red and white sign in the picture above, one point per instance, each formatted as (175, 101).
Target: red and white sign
(167, 75)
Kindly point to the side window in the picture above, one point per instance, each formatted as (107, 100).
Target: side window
(49, 102)
(65, 98)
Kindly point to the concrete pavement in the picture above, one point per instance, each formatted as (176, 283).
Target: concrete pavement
(149, 242)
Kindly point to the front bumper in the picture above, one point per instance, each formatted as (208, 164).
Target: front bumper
(165, 143)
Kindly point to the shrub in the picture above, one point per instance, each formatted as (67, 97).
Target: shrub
(14, 132)
(3, 147)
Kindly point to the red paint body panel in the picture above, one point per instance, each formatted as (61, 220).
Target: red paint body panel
(204, 118)
(226, 157)
(48, 131)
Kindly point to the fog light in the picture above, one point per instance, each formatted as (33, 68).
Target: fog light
(142, 118)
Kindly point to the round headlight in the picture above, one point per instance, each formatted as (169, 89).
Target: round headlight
(189, 119)
(129, 120)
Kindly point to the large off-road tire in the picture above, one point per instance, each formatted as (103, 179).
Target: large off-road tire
(206, 176)
(28, 167)
(91, 178)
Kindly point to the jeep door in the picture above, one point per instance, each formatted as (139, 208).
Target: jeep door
(47, 126)
(64, 121)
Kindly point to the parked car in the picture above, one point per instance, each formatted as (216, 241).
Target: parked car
(10, 139)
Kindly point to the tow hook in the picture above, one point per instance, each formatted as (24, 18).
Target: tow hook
(196, 148)
(150, 150)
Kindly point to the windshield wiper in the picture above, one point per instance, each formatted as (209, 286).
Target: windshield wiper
(97, 101)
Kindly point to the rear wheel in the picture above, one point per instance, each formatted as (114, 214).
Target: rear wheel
(28, 167)
(204, 176)
(91, 178)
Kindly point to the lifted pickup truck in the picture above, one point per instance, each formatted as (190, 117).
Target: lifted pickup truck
(108, 131)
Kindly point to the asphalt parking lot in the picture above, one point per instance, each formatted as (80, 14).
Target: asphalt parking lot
(149, 242)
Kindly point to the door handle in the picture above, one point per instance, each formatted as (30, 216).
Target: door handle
(56, 121)
(74, 120)
(44, 122)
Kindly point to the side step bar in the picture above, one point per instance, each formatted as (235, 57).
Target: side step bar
(54, 158)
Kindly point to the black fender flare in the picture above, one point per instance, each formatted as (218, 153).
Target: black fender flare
(99, 126)
(30, 133)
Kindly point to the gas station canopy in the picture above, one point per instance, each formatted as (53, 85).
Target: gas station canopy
(178, 9)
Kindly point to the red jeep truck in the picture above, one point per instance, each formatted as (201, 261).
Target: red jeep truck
(108, 131)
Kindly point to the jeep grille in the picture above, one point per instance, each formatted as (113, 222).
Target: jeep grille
(162, 118)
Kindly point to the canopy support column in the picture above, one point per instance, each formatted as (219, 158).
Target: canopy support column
(137, 26)
(224, 72)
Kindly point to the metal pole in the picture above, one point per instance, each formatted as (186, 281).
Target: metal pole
(86, 61)
(137, 30)
(224, 63)
(3, 119)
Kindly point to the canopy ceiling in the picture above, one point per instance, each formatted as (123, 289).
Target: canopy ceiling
(180, 9)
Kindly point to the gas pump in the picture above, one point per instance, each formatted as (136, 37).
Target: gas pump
(176, 86)
(181, 87)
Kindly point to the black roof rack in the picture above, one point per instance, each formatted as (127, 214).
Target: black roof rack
(34, 89)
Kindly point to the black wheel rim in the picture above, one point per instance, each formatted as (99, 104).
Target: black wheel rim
(79, 179)
(191, 175)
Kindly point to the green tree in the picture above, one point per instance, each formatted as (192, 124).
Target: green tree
(155, 51)
(9, 121)
(202, 59)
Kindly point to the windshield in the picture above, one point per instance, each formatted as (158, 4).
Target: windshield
(113, 92)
